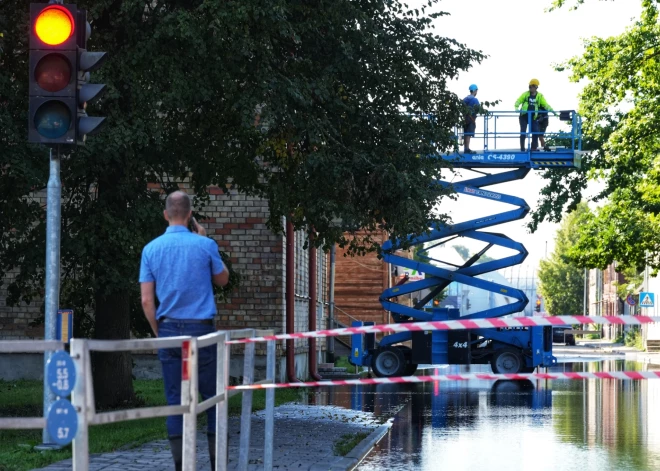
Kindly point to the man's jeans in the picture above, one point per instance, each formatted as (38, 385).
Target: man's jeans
(170, 359)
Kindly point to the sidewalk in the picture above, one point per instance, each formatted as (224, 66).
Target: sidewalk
(600, 348)
(304, 440)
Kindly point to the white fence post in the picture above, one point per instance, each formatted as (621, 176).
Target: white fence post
(270, 406)
(221, 426)
(189, 373)
(80, 356)
(246, 406)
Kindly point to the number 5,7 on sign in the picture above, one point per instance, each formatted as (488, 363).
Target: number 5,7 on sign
(62, 422)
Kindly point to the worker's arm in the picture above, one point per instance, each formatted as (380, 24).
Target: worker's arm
(545, 104)
(520, 100)
(148, 295)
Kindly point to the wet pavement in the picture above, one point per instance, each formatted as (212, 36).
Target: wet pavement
(304, 439)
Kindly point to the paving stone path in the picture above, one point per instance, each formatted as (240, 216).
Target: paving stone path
(304, 438)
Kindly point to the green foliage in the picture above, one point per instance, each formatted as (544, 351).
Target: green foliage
(320, 107)
(633, 338)
(347, 442)
(561, 281)
(621, 118)
(633, 281)
(324, 82)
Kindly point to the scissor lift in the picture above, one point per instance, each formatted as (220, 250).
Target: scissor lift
(508, 350)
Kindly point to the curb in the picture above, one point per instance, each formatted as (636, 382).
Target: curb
(357, 454)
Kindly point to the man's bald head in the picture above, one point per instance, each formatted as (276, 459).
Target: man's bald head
(177, 206)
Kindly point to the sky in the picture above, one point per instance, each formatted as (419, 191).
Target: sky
(522, 42)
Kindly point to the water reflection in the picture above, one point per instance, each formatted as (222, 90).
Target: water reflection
(510, 425)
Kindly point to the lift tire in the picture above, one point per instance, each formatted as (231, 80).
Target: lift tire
(410, 367)
(507, 360)
(388, 362)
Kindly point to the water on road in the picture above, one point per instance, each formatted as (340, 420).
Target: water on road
(513, 425)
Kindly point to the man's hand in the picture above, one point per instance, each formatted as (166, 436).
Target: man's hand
(199, 229)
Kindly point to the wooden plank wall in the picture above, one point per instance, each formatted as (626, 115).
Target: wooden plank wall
(359, 281)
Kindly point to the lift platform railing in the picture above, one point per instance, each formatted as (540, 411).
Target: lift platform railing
(504, 126)
(27, 346)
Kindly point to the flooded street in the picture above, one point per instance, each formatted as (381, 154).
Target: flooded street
(511, 425)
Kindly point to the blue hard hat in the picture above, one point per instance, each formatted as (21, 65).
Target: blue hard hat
(473, 87)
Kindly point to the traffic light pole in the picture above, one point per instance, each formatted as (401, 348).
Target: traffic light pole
(52, 301)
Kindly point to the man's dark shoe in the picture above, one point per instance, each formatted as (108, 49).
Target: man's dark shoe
(176, 444)
(468, 151)
(547, 148)
(522, 149)
(535, 149)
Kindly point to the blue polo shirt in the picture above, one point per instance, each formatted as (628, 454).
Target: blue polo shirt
(181, 264)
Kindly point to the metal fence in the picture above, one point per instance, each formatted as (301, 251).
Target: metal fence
(190, 407)
(27, 346)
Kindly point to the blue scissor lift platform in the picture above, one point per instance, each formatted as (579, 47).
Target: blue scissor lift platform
(508, 350)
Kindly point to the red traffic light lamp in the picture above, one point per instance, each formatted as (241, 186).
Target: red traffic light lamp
(54, 25)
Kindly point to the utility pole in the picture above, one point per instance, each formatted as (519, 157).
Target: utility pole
(52, 298)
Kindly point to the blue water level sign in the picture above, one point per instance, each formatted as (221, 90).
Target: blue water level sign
(61, 373)
(646, 299)
(62, 422)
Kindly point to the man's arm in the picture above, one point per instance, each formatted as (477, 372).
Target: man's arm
(222, 278)
(147, 290)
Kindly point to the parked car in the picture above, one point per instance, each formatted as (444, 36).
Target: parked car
(560, 335)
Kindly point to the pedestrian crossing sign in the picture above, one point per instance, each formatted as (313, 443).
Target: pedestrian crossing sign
(646, 299)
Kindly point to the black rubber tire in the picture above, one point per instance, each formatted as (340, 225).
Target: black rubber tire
(388, 362)
(410, 367)
(527, 369)
(507, 360)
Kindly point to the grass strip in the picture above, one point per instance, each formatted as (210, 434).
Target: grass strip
(347, 442)
(24, 399)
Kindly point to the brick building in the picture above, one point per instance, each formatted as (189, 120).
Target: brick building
(238, 223)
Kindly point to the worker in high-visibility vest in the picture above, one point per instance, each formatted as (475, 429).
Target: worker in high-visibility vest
(528, 104)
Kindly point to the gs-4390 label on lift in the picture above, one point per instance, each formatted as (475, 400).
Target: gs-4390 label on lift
(501, 157)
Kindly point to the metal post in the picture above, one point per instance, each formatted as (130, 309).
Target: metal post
(189, 375)
(80, 356)
(246, 407)
(270, 406)
(331, 305)
(584, 296)
(221, 427)
(52, 297)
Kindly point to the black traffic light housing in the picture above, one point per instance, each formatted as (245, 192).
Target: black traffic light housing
(537, 308)
(59, 75)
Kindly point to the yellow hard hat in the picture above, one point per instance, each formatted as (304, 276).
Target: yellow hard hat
(534, 82)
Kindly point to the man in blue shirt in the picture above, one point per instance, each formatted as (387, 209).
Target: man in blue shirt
(179, 268)
(470, 124)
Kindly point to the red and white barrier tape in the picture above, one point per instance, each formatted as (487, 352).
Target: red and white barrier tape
(625, 375)
(487, 323)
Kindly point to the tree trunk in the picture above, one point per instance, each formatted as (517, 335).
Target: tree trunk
(113, 372)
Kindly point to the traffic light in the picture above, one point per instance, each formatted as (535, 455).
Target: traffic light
(436, 303)
(537, 308)
(87, 92)
(58, 85)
